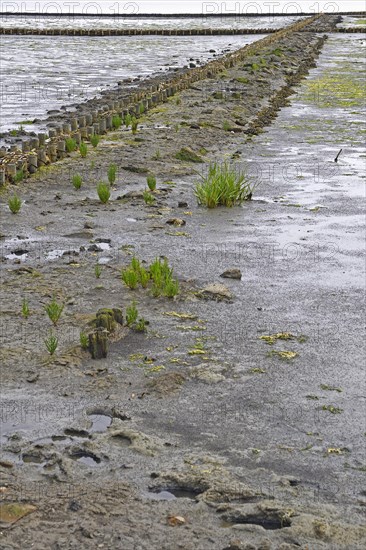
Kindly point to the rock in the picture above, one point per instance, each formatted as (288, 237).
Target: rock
(132, 195)
(231, 274)
(32, 377)
(74, 506)
(135, 169)
(101, 240)
(95, 248)
(178, 222)
(216, 291)
(6, 464)
(88, 225)
(188, 155)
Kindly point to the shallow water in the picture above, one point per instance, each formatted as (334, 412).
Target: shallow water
(58, 71)
(142, 23)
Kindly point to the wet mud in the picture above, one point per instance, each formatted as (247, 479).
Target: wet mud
(234, 421)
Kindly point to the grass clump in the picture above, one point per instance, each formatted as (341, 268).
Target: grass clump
(98, 271)
(151, 182)
(54, 311)
(130, 278)
(156, 155)
(71, 145)
(159, 273)
(171, 288)
(77, 181)
(116, 122)
(144, 277)
(131, 314)
(148, 197)
(14, 204)
(94, 140)
(83, 149)
(134, 125)
(84, 340)
(51, 343)
(128, 120)
(104, 192)
(223, 186)
(19, 176)
(25, 308)
(140, 326)
(162, 277)
(112, 173)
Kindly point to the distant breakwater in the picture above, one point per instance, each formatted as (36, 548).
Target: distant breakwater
(153, 32)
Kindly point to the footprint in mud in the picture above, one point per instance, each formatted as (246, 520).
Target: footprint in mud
(85, 457)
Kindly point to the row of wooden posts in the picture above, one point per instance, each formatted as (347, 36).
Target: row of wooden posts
(151, 32)
(46, 148)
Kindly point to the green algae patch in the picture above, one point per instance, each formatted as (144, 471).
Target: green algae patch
(272, 339)
(284, 355)
(181, 316)
(335, 90)
(330, 388)
(188, 155)
(10, 513)
(332, 409)
(257, 370)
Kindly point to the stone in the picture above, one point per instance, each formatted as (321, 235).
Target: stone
(188, 155)
(178, 222)
(216, 291)
(232, 274)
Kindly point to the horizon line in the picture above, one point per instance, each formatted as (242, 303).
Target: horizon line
(175, 15)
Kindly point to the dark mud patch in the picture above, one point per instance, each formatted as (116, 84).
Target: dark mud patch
(269, 520)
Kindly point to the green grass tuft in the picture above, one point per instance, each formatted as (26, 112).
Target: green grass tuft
(84, 340)
(51, 343)
(25, 308)
(151, 182)
(94, 140)
(148, 197)
(83, 149)
(14, 204)
(71, 145)
(77, 181)
(131, 314)
(104, 192)
(116, 122)
(223, 186)
(112, 173)
(98, 271)
(54, 311)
